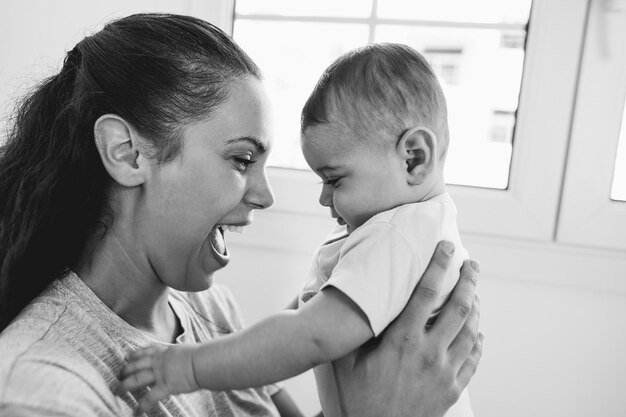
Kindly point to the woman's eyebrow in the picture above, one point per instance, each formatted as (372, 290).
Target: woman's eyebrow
(260, 146)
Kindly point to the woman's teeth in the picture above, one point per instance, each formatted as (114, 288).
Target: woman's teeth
(234, 229)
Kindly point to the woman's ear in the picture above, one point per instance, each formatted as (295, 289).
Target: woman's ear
(117, 145)
(418, 149)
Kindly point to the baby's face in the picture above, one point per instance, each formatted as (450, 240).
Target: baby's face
(359, 179)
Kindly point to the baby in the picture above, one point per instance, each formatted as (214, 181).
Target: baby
(375, 131)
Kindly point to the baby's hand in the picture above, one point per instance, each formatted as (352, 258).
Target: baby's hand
(165, 370)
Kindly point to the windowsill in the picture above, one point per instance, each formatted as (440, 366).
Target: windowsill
(509, 258)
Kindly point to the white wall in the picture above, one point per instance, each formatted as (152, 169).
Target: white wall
(36, 34)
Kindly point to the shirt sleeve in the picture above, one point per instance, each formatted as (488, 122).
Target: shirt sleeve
(29, 411)
(47, 388)
(378, 269)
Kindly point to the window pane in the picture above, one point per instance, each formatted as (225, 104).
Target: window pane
(343, 8)
(476, 11)
(480, 71)
(292, 56)
(618, 190)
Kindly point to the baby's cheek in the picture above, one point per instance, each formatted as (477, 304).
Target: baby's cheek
(342, 206)
(352, 216)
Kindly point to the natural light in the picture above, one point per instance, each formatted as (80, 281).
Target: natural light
(477, 53)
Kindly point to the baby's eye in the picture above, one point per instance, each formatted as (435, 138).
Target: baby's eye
(333, 181)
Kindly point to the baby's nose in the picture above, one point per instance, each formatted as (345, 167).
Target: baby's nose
(326, 196)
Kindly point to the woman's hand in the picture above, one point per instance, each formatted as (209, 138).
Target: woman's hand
(416, 371)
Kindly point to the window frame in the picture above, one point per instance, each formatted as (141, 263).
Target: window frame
(588, 216)
(528, 207)
(518, 230)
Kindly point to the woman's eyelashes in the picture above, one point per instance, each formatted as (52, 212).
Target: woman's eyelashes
(243, 162)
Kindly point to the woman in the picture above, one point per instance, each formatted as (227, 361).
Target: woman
(117, 184)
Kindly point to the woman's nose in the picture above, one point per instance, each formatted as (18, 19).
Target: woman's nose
(261, 195)
(326, 197)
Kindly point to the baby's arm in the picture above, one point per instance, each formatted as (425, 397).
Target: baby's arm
(286, 344)
(283, 345)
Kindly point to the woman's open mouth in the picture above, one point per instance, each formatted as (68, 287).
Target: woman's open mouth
(219, 251)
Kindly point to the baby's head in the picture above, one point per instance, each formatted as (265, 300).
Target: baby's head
(375, 130)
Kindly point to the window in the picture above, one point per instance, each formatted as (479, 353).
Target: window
(477, 52)
(618, 189)
(445, 62)
(502, 123)
(593, 210)
(502, 129)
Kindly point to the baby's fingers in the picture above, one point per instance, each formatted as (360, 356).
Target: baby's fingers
(152, 397)
(136, 365)
(140, 379)
(140, 353)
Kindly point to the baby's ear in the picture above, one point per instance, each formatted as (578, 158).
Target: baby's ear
(418, 149)
(118, 146)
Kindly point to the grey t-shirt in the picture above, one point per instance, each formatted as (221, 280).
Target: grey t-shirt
(62, 356)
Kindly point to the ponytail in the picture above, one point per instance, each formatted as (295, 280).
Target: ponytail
(51, 190)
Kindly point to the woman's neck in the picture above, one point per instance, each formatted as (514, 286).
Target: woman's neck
(131, 291)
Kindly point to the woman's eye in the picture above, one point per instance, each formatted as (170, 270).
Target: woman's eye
(243, 162)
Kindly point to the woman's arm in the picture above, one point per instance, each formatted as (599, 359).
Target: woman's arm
(415, 372)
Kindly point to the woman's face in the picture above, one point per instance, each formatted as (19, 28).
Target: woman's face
(216, 181)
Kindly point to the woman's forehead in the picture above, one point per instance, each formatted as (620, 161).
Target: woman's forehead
(244, 114)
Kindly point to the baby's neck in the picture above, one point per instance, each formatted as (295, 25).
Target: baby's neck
(432, 187)
(434, 190)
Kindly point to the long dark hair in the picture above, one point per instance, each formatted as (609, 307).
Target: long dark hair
(159, 73)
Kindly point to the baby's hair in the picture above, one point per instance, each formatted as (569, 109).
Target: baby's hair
(379, 90)
(158, 72)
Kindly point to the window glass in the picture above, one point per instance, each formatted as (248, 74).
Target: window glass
(475, 11)
(477, 53)
(480, 71)
(292, 56)
(618, 190)
(326, 8)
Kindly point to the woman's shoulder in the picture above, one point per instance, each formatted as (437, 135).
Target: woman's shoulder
(42, 320)
(48, 381)
(39, 350)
